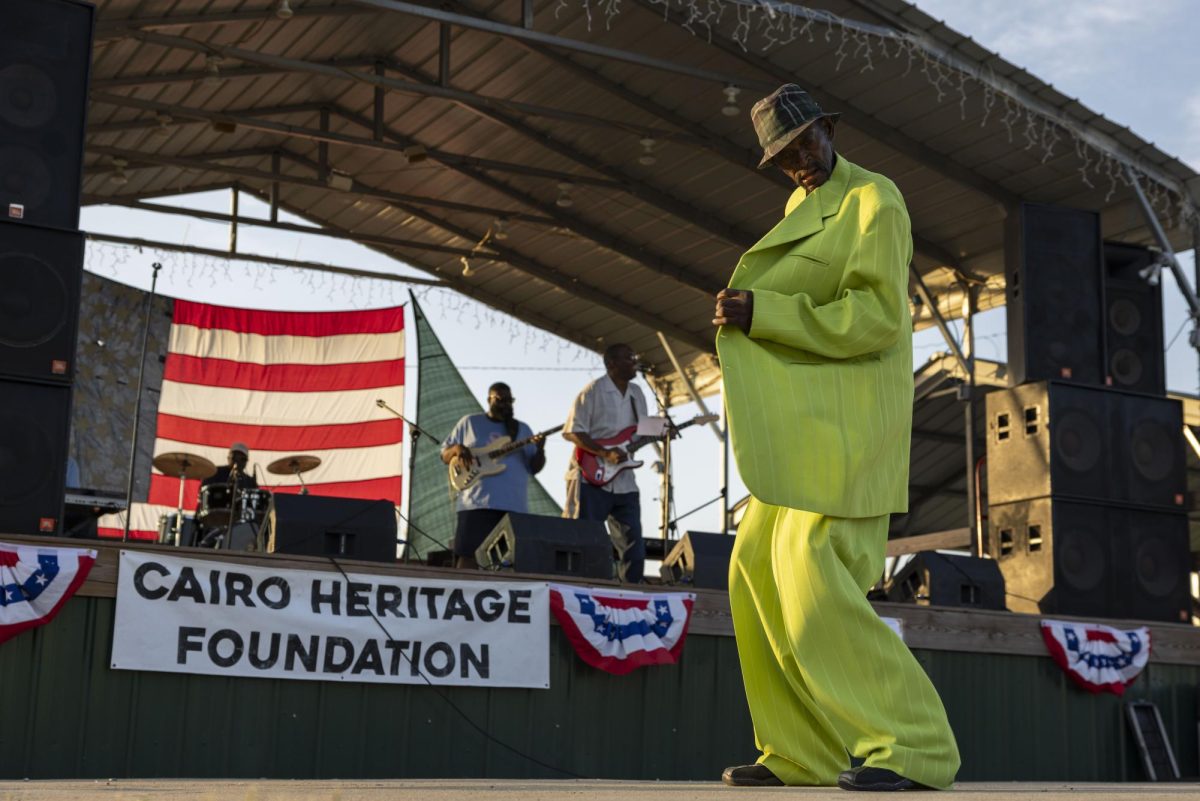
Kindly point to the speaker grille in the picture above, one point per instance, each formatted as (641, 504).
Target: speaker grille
(34, 302)
(33, 454)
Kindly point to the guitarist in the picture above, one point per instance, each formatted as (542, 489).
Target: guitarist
(603, 409)
(482, 505)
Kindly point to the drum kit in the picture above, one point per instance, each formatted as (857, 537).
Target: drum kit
(228, 516)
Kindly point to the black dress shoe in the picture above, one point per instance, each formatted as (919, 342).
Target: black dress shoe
(876, 780)
(750, 776)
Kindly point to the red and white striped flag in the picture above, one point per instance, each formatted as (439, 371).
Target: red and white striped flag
(285, 383)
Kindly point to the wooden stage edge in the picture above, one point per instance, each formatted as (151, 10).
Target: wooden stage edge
(525, 790)
(925, 627)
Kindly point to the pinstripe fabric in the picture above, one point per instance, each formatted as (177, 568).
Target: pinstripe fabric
(824, 675)
(819, 395)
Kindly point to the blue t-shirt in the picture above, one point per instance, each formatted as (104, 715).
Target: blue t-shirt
(507, 490)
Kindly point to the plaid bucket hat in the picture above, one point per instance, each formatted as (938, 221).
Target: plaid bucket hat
(782, 116)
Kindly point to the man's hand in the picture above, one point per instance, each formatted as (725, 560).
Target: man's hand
(735, 307)
(461, 454)
(613, 455)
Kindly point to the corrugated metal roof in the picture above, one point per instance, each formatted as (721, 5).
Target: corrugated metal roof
(642, 247)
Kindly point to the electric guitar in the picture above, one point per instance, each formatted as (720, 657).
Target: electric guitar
(488, 460)
(598, 472)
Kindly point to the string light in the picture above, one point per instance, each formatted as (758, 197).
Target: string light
(647, 159)
(731, 109)
(564, 200)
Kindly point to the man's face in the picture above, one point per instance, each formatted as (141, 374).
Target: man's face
(808, 159)
(500, 404)
(239, 458)
(623, 364)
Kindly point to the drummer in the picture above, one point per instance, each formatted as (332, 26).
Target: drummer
(239, 456)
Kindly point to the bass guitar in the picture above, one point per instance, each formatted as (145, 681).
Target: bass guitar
(488, 459)
(598, 472)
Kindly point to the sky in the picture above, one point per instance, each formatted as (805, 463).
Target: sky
(1135, 63)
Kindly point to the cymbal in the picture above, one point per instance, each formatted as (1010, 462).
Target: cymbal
(188, 465)
(290, 465)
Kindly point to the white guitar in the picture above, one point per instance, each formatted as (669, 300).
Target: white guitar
(488, 459)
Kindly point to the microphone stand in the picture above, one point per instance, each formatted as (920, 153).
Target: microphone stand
(668, 525)
(414, 434)
(234, 473)
(137, 405)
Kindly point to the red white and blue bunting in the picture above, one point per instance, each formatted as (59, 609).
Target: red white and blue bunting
(1098, 658)
(618, 631)
(35, 582)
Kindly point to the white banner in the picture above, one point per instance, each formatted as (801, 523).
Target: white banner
(223, 619)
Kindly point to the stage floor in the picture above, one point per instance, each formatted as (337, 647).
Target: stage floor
(522, 790)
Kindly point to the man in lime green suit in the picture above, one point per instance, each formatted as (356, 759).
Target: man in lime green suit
(815, 342)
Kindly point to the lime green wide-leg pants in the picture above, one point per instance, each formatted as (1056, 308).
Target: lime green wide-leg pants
(825, 677)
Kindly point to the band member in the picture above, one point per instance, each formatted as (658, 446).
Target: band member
(815, 342)
(603, 409)
(482, 505)
(239, 457)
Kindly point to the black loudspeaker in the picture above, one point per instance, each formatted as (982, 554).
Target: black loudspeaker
(934, 579)
(347, 528)
(34, 420)
(41, 270)
(1085, 443)
(555, 546)
(1054, 295)
(699, 559)
(45, 58)
(1061, 557)
(1133, 319)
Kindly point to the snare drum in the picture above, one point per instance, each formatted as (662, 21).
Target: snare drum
(166, 530)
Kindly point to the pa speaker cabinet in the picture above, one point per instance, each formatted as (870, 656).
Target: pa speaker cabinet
(41, 270)
(45, 58)
(1085, 443)
(1063, 557)
(554, 546)
(1054, 295)
(344, 528)
(934, 579)
(34, 421)
(699, 559)
(1133, 320)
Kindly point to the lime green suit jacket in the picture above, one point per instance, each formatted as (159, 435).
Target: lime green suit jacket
(819, 394)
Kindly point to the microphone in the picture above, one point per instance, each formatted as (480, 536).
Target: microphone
(645, 369)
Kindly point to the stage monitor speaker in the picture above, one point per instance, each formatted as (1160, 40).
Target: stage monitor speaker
(1054, 292)
(41, 270)
(45, 58)
(1085, 443)
(344, 528)
(34, 422)
(699, 559)
(1062, 557)
(1133, 320)
(556, 546)
(934, 579)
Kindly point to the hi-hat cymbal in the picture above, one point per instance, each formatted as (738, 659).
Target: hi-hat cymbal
(188, 465)
(290, 465)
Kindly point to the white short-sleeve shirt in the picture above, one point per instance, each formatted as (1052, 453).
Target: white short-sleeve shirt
(602, 411)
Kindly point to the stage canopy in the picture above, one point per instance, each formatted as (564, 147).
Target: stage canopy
(594, 163)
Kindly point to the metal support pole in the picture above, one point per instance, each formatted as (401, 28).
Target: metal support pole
(137, 403)
(931, 303)
(1160, 236)
(233, 218)
(380, 123)
(527, 14)
(323, 149)
(1196, 265)
(969, 309)
(665, 449)
(275, 165)
(688, 383)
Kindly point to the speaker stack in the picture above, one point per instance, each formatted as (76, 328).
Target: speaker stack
(1087, 504)
(45, 57)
